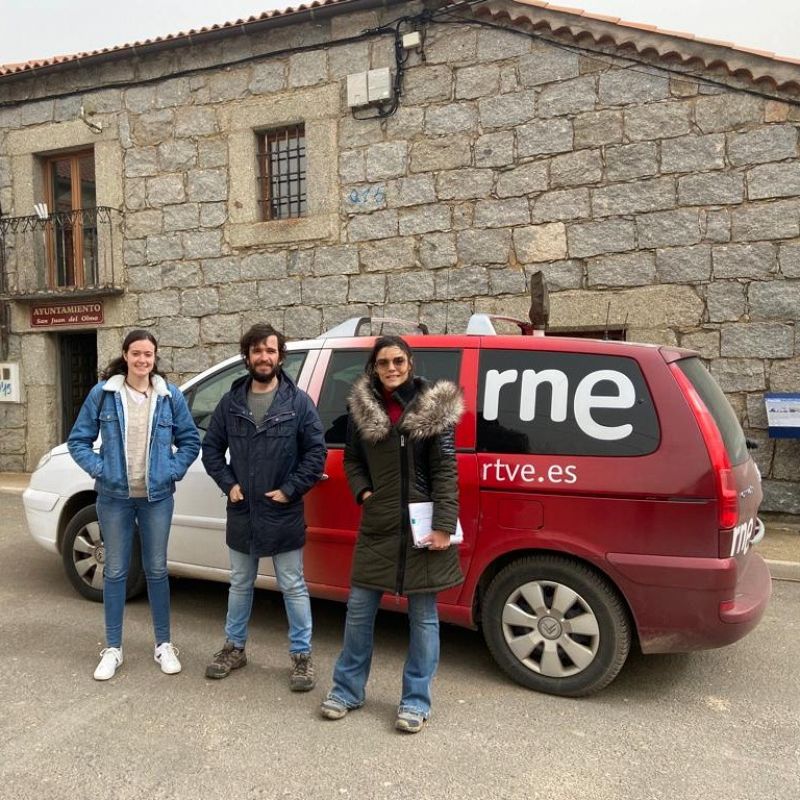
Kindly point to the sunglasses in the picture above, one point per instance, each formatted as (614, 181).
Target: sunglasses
(397, 362)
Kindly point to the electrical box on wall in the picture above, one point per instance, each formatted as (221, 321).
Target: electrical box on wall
(9, 382)
(364, 88)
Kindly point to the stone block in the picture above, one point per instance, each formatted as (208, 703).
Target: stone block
(135, 194)
(143, 223)
(789, 259)
(352, 166)
(158, 304)
(179, 332)
(205, 185)
(576, 169)
(200, 302)
(212, 153)
(495, 44)
(593, 238)
(622, 87)
(494, 149)
(744, 260)
(568, 97)
(773, 180)
(480, 81)
(725, 301)
(784, 375)
(195, 121)
(213, 215)
(202, 244)
(626, 269)
(451, 45)
(181, 274)
(536, 243)
(705, 342)
(756, 412)
(502, 213)
(631, 161)
(450, 152)
(154, 127)
(464, 184)
(266, 266)
(546, 65)
(281, 292)
(359, 132)
(522, 181)
(507, 110)
(337, 260)
(165, 190)
(141, 162)
(176, 155)
(595, 128)
(425, 85)
(445, 317)
(308, 68)
(221, 270)
(335, 315)
(268, 77)
(771, 143)
(543, 138)
(693, 153)
(684, 264)
(786, 464)
(658, 121)
(507, 280)
(172, 93)
(323, 291)
(300, 262)
(778, 299)
(779, 220)
(424, 219)
(367, 289)
(451, 118)
(716, 225)
(143, 279)
(634, 198)
(378, 225)
(738, 374)
(406, 286)
(464, 282)
(711, 189)
(134, 252)
(221, 328)
(140, 99)
(386, 160)
(561, 205)
(405, 123)
(164, 247)
(437, 250)
(387, 254)
(669, 228)
(728, 111)
(757, 340)
(489, 246)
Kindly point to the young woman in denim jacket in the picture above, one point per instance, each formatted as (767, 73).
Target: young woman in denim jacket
(140, 417)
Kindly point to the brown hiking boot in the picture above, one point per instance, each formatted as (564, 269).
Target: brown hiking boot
(227, 659)
(302, 677)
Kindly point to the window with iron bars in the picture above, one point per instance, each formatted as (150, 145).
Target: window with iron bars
(282, 172)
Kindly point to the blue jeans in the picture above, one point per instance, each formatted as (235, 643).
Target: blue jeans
(119, 519)
(352, 667)
(289, 574)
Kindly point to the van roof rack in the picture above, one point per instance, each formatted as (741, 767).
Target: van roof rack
(483, 325)
(351, 328)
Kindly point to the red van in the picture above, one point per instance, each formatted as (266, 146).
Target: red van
(607, 498)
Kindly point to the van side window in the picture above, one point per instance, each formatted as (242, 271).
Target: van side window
(202, 398)
(347, 365)
(564, 404)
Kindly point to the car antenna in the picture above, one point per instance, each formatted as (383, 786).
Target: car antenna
(539, 313)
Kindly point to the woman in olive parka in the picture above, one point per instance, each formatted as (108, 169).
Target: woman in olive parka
(400, 450)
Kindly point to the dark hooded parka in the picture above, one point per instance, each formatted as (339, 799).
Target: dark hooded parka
(412, 461)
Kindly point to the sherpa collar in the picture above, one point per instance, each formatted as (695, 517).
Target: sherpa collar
(431, 410)
(116, 382)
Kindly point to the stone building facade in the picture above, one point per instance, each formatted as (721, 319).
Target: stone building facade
(653, 179)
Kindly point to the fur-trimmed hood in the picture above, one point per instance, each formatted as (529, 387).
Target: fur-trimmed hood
(430, 409)
(116, 382)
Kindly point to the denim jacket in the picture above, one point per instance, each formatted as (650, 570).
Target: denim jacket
(105, 412)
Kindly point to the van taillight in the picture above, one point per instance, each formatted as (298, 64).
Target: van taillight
(727, 498)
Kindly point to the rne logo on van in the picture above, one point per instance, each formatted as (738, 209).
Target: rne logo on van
(584, 402)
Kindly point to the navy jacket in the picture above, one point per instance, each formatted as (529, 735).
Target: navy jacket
(285, 451)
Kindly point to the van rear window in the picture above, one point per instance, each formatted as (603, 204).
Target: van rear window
(554, 403)
(715, 401)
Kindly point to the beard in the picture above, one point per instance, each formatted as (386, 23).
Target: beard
(264, 374)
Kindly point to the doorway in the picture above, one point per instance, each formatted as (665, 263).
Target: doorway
(78, 360)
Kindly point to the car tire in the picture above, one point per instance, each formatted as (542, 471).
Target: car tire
(556, 626)
(82, 554)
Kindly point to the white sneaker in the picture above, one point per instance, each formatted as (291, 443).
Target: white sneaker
(166, 654)
(110, 660)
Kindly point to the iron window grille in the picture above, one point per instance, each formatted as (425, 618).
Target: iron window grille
(282, 172)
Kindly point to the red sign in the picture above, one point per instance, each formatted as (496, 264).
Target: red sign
(53, 314)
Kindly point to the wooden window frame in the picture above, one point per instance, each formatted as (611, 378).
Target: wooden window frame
(77, 230)
(298, 203)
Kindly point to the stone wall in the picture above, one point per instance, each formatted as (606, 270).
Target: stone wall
(649, 199)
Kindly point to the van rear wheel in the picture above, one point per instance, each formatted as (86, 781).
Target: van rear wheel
(83, 555)
(554, 625)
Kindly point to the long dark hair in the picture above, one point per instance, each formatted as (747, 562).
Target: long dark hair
(118, 365)
(389, 341)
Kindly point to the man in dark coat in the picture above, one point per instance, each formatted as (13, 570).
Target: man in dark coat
(276, 447)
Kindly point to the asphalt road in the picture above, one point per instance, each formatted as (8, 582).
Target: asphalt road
(722, 724)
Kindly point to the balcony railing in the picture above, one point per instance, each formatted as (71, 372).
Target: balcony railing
(67, 252)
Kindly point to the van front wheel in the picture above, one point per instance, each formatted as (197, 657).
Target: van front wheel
(554, 625)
